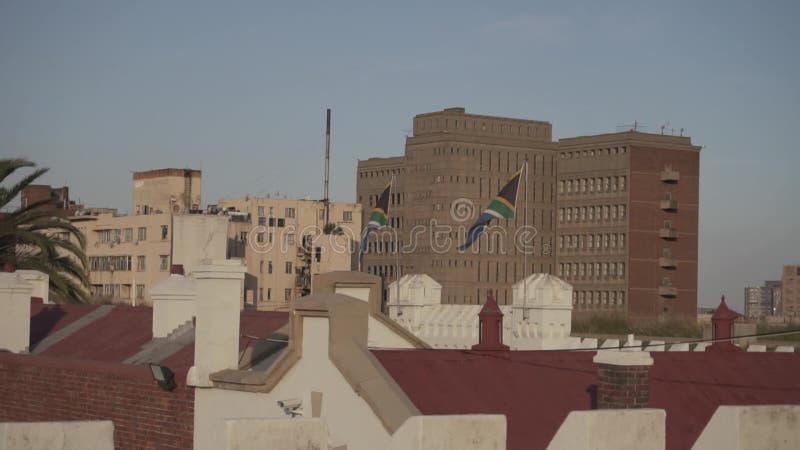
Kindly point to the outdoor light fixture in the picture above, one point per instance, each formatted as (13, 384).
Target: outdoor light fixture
(163, 376)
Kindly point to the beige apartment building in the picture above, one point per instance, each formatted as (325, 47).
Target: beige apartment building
(285, 244)
(791, 291)
(614, 214)
(130, 254)
(167, 191)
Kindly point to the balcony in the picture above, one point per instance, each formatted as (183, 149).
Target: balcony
(667, 291)
(670, 176)
(668, 233)
(668, 205)
(667, 262)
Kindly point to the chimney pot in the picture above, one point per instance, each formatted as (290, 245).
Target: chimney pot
(623, 379)
(490, 323)
(177, 269)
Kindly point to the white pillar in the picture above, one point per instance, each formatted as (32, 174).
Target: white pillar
(216, 343)
(15, 319)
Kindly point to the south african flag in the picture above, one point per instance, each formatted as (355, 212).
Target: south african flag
(504, 205)
(379, 216)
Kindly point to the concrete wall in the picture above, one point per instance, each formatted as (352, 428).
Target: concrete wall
(621, 429)
(286, 434)
(197, 237)
(94, 435)
(348, 416)
(775, 427)
(462, 432)
(15, 320)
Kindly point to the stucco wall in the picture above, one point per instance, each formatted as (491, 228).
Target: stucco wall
(94, 435)
(774, 427)
(644, 429)
(348, 416)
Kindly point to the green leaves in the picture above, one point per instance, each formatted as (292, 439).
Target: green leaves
(32, 238)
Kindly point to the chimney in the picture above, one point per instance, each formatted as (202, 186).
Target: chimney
(173, 302)
(15, 304)
(623, 379)
(722, 328)
(216, 343)
(490, 323)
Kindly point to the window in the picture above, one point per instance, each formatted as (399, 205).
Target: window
(289, 212)
(261, 267)
(269, 268)
(164, 232)
(269, 293)
(127, 235)
(140, 261)
(287, 294)
(260, 237)
(262, 221)
(288, 267)
(347, 216)
(140, 291)
(164, 262)
(260, 211)
(110, 263)
(142, 234)
(289, 239)
(260, 295)
(281, 223)
(318, 254)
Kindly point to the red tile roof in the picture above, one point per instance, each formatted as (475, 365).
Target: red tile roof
(122, 332)
(49, 318)
(536, 390)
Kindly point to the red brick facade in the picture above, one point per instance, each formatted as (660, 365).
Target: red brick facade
(50, 389)
(623, 387)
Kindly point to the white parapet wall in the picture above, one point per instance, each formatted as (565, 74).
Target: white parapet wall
(461, 432)
(90, 435)
(15, 320)
(40, 283)
(173, 303)
(612, 429)
(773, 427)
(285, 434)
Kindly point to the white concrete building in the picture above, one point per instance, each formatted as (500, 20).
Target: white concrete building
(539, 318)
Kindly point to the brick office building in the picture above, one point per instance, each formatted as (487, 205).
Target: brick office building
(616, 214)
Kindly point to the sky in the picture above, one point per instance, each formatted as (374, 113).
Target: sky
(98, 89)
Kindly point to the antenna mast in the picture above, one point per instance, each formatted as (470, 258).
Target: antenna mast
(326, 198)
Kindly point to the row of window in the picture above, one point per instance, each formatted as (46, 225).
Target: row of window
(116, 290)
(598, 298)
(608, 151)
(118, 235)
(591, 241)
(593, 185)
(288, 213)
(508, 129)
(597, 213)
(383, 173)
(592, 270)
(287, 294)
(287, 267)
(123, 263)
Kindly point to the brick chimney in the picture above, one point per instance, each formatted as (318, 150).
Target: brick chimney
(722, 328)
(490, 331)
(623, 379)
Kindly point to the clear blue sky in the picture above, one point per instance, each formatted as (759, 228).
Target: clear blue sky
(98, 89)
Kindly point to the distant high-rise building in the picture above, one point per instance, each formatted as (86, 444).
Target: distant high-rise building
(754, 301)
(790, 296)
(774, 294)
(614, 214)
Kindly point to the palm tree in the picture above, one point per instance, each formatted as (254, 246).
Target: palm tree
(32, 238)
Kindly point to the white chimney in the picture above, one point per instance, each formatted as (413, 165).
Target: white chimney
(40, 282)
(15, 305)
(173, 302)
(216, 342)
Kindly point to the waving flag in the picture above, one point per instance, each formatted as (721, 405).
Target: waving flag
(504, 205)
(379, 216)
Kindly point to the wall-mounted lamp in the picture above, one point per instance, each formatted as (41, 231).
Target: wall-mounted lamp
(163, 376)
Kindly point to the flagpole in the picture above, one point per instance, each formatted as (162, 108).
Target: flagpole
(524, 248)
(396, 245)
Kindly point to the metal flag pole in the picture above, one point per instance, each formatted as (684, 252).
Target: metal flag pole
(525, 247)
(392, 190)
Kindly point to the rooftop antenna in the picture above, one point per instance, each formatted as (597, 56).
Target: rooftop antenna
(635, 126)
(325, 197)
